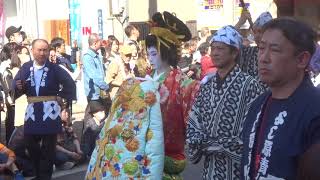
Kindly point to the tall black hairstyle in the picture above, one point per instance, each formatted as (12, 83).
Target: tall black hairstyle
(169, 46)
(169, 55)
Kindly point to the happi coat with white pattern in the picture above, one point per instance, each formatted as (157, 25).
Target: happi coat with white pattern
(44, 117)
(215, 123)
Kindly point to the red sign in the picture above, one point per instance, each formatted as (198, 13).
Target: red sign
(86, 30)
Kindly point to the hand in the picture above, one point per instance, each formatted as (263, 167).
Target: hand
(1, 106)
(245, 15)
(20, 84)
(215, 148)
(190, 73)
(75, 155)
(79, 152)
(9, 100)
(61, 103)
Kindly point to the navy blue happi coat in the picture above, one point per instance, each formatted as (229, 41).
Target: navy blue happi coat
(44, 117)
(278, 131)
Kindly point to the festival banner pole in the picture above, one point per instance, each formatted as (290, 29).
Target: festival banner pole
(246, 9)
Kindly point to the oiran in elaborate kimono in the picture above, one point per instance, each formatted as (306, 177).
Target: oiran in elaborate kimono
(144, 135)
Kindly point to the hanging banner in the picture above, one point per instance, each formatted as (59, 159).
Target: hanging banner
(75, 21)
(217, 13)
(100, 23)
(212, 10)
(237, 10)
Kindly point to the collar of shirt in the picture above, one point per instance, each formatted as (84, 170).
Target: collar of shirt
(38, 71)
(93, 53)
(38, 67)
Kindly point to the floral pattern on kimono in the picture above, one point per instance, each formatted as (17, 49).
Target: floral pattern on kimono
(130, 145)
(177, 93)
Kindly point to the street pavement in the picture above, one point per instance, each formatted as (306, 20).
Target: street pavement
(192, 172)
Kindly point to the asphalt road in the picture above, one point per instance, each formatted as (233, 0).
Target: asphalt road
(192, 172)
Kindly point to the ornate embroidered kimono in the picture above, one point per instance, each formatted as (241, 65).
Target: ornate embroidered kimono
(278, 131)
(130, 145)
(140, 140)
(44, 117)
(215, 123)
(177, 94)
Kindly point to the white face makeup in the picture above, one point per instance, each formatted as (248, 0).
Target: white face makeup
(154, 57)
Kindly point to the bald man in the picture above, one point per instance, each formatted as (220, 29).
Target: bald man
(47, 86)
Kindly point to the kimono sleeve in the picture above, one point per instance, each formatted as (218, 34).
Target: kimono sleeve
(154, 150)
(68, 90)
(246, 54)
(195, 135)
(234, 144)
(19, 76)
(190, 89)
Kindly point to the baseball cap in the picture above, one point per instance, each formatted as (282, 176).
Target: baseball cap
(126, 49)
(11, 30)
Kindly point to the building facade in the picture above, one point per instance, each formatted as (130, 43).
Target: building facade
(76, 19)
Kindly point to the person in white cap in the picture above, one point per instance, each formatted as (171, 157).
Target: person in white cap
(248, 61)
(215, 121)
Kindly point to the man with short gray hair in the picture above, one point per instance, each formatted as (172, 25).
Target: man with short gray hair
(94, 86)
(94, 74)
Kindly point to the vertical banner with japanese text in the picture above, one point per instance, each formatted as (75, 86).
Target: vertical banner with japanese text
(217, 13)
(75, 21)
(100, 23)
(213, 11)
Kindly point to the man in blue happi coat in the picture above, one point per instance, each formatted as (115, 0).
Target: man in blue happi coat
(49, 88)
(284, 122)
